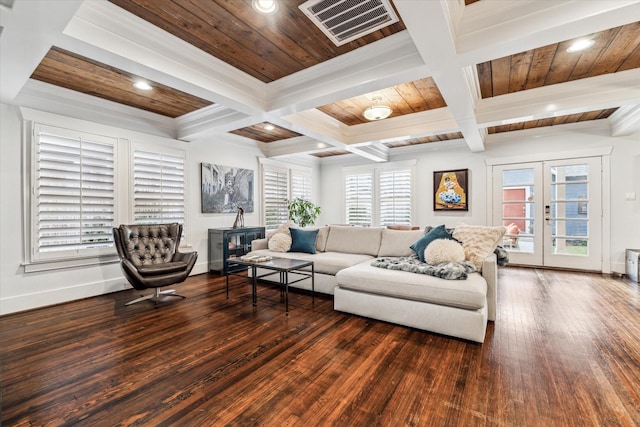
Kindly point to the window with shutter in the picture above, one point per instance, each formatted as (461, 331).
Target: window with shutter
(300, 184)
(275, 187)
(74, 196)
(359, 198)
(395, 197)
(158, 187)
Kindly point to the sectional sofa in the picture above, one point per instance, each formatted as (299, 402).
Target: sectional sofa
(343, 268)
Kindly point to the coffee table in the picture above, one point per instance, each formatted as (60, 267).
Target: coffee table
(280, 266)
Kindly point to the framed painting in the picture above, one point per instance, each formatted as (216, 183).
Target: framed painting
(450, 190)
(225, 189)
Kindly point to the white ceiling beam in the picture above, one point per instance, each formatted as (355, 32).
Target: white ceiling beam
(625, 121)
(590, 94)
(428, 22)
(28, 29)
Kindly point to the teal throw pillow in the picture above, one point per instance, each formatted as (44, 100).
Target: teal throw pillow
(303, 240)
(440, 232)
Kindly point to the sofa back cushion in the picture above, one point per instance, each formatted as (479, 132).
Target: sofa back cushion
(321, 239)
(398, 243)
(354, 240)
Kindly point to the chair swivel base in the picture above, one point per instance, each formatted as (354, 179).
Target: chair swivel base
(155, 297)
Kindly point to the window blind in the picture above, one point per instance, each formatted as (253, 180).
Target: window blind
(359, 199)
(300, 184)
(158, 188)
(395, 197)
(74, 194)
(275, 185)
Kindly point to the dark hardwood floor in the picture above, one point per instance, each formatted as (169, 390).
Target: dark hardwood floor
(564, 351)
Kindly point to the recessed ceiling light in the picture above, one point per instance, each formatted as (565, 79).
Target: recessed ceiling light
(266, 7)
(580, 44)
(142, 85)
(269, 126)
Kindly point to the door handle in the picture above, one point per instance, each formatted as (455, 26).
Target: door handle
(547, 213)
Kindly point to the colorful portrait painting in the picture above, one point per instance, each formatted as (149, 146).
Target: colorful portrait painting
(450, 190)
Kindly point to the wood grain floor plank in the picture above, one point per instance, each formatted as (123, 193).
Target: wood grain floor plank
(564, 351)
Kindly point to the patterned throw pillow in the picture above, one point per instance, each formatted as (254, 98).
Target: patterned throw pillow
(478, 241)
(443, 250)
(279, 242)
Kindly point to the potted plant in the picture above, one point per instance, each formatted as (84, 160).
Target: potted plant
(302, 212)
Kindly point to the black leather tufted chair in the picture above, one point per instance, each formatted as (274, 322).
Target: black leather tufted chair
(150, 258)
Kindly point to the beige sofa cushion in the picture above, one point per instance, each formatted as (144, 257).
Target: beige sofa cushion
(398, 243)
(468, 294)
(354, 240)
(323, 262)
(321, 239)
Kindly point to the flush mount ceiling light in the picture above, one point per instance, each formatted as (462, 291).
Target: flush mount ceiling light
(377, 111)
(265, 7)
(269, 126)
(142, 85)
(580, 44)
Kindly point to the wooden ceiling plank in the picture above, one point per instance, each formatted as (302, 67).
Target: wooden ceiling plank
(632, 61)
(165, 14)
(429, 91)
(520, 66)
(485, 79)
(540, 65)
(589, 58)
(95, 85)
(500, 70)
(395, 98)
(85, 71)
(622, 45)
(227, 23)
(562, 65)
(268, 27)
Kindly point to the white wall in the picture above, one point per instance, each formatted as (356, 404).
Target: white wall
(574, 141)
(21, 291)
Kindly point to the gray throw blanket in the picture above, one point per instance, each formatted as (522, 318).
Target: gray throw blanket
(446, 270)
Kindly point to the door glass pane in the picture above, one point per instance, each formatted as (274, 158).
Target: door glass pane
(518, 209)
(570, 210)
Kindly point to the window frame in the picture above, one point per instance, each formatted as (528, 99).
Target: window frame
(33, 255)
(291, 172)
(376, 171)
(124, 144)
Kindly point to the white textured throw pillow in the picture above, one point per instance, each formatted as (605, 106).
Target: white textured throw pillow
(284, 228)
(280, 242)
(478, 241)
(443, 250)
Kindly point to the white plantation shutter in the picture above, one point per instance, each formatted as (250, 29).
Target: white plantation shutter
(359, 198)
(275, 184)
(74, 196)
(395, 197)
(300, 184)
(158, 188)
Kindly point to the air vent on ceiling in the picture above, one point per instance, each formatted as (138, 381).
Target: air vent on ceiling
(346, 20)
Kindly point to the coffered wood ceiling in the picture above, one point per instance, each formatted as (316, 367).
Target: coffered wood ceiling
(66, 69)
(407, 98)
(265, 47)
(616, 49)
(450, 70)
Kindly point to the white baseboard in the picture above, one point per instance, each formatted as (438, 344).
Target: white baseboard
(24, 302)
(60, 295)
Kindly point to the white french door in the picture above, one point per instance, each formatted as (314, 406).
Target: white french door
(552, 211)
